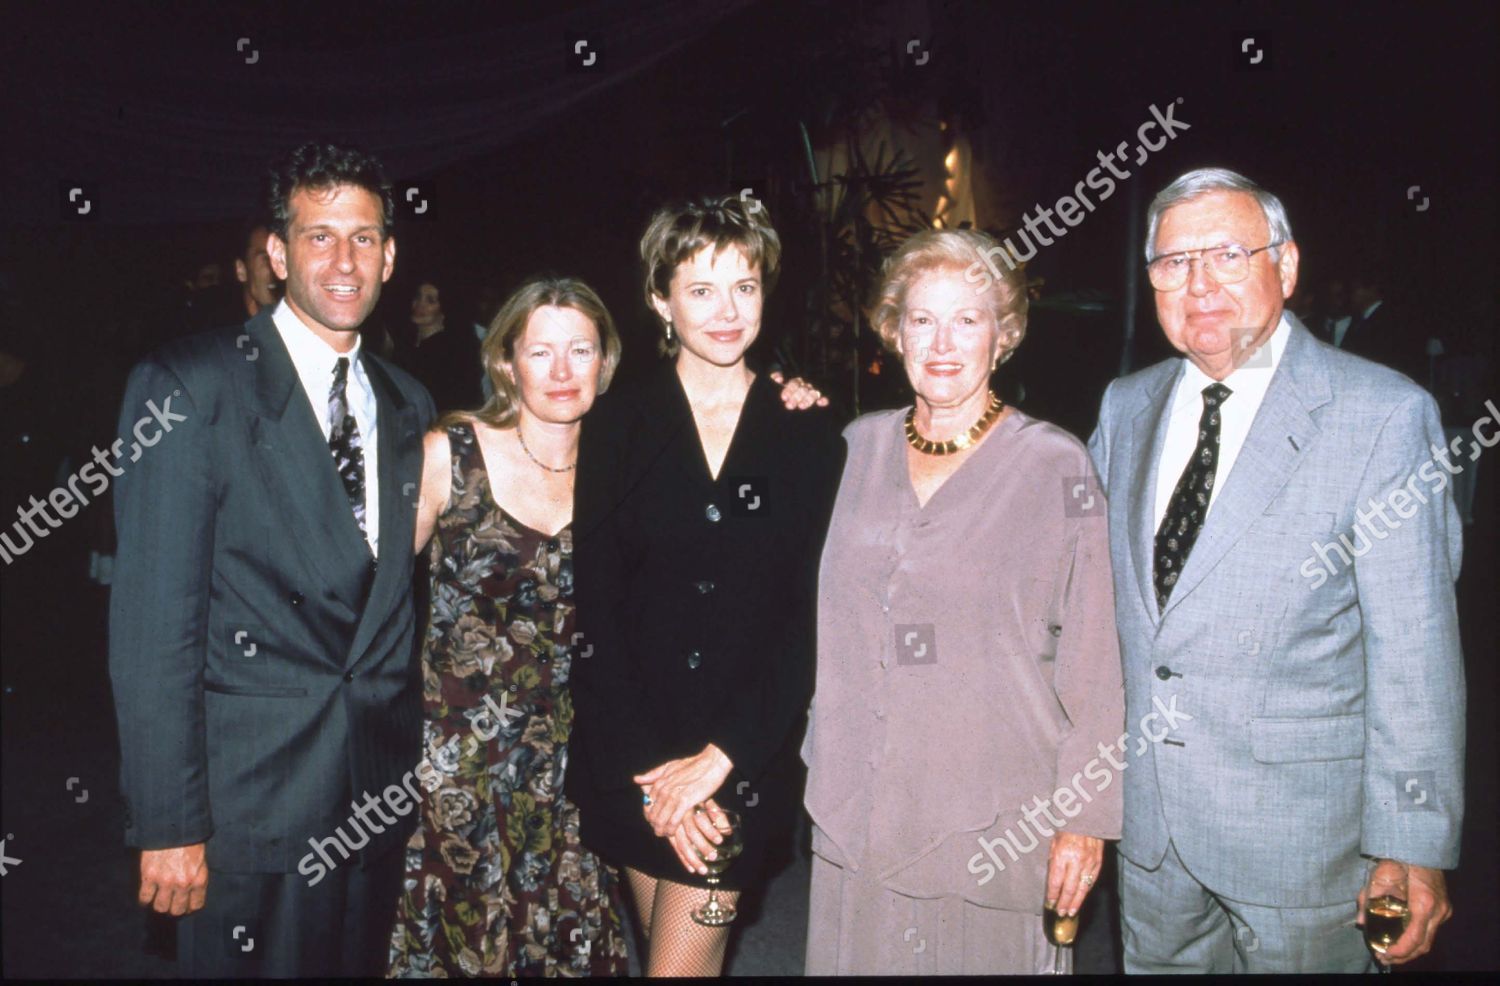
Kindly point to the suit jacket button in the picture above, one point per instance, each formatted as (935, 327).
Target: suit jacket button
(348, 675)
(712, 513)
(704, 587)
(694, 660)
(1163, 672)
(298, 599)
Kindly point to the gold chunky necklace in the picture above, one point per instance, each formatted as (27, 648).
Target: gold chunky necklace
(966, 440)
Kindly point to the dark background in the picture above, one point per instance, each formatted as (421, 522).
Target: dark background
(531, 161)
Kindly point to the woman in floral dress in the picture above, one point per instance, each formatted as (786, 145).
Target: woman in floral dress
(496, 882)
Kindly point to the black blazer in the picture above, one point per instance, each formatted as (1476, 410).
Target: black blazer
(1392, 338)
(262, 664)
(696, 605)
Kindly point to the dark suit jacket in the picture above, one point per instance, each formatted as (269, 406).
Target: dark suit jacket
(696, 606)
(1391, 338)
(262, 665)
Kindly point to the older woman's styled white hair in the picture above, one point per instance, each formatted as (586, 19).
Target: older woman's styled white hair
(951, 250)
(1204, 180)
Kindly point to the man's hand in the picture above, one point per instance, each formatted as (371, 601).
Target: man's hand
(174, 881)
(799, 395)
(678, 785)
(1426, 894)
(1071, 859)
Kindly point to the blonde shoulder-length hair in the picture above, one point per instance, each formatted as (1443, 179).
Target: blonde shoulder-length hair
(509, 324)
(1001, 285)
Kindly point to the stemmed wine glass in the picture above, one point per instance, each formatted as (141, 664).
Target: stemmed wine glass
(1385, 921)
(1061, 929)
(714, 914)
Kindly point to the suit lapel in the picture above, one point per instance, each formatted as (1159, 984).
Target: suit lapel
(1281, 434)
(400, 468)
(293, 459)
(1151, 419)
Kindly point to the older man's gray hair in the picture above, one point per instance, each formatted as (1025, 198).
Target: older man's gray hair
(1204, 180)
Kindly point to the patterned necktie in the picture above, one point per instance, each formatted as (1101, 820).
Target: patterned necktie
(344, 443)
(1189, 503)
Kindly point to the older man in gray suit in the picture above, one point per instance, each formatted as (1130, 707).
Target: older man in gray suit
(1311, 648)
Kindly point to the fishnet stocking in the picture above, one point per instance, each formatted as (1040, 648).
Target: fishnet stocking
(676, 944)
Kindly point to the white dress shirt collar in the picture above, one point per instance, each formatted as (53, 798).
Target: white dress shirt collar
(315, 360)
(1247, 386)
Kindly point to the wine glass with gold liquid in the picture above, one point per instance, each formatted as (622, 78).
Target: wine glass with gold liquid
(714, 914)
(1061, 930)
(1385, 921)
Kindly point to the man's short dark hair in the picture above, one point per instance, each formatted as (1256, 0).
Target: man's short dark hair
(247, 230)
(323, 166)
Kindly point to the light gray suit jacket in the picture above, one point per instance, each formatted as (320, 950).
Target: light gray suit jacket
(1326, 697)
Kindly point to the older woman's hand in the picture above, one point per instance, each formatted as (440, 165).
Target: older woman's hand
(1072, 868)
(677, 786)
(799, 395)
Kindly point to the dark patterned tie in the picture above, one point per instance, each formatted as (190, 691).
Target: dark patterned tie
(1189, 503)
(344, 443)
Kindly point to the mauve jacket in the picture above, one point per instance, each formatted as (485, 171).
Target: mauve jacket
(967, 666)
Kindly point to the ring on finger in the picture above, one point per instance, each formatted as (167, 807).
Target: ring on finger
(1088, 879)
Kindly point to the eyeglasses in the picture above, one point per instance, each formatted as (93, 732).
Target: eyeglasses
(1226, 264)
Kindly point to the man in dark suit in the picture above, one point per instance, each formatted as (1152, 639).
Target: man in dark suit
(262, 660)
(1379, 333)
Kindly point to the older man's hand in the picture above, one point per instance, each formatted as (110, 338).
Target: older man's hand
(1426, 894)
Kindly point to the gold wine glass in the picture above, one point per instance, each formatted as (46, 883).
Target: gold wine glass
(1061, 930)
(715, 914)
(1385, 921)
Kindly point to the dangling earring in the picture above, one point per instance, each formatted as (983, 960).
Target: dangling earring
(669, 331)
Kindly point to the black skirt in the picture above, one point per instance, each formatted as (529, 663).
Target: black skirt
(612, 824)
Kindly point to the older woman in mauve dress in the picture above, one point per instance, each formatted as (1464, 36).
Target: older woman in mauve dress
(969, 675)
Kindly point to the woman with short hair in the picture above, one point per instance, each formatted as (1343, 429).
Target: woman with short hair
(701, 504)
(967, 658)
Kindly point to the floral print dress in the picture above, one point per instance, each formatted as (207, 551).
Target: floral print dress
(496, 882)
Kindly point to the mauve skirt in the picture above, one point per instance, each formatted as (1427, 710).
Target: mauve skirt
(857, 927)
